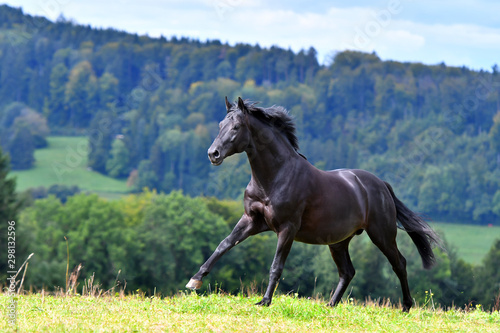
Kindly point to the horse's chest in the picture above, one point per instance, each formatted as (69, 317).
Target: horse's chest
(271, 213)
(268, 212)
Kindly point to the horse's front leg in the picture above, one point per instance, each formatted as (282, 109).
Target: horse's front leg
(245, 227)
(285, 241)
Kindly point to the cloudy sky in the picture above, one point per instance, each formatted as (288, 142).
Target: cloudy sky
(458, 33)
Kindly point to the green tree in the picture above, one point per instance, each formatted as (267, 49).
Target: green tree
(55, 107)
(146, 177)
(172, 159)
(21, 149)
(9, 210)
(118, 164)
(101, 134)
(35, 123)
(495, 134)
(178, 234)
(9, 114)
(17, 115)
(80, 94)
(108, 89)
(96, 234)
(457, 290)
(442, 189)
(496, 203)
(487, 279)
(43, 226)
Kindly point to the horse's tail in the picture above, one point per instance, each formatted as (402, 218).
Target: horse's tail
(419, 231)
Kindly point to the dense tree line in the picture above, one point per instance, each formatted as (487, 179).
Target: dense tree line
(155, 242)
(9, 210)
(150, 107)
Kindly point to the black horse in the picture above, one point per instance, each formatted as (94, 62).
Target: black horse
(297, 201)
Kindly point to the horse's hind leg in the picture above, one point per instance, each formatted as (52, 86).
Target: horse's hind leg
(385, 240)
(340, 254)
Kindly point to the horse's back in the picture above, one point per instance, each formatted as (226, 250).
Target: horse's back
(364, 179)
(380, 204)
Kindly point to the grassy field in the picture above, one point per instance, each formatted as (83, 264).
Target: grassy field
(472, 242)
(222, 313)
(64, 162)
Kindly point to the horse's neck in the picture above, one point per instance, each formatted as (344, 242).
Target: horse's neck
(271, 161)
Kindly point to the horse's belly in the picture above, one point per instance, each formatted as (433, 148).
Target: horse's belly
(328, 234)
(331, 224)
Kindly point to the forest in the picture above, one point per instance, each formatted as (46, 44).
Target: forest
(150, 108)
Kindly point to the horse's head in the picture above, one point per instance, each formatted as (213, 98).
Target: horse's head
(234, 135)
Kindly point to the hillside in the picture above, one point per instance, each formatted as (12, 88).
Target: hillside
(150, 108)
(64, 162)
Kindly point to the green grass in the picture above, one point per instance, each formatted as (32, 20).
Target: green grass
(64, 162)
(472, 242)
(222, 313)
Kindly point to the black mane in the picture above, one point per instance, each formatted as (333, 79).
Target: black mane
(277, 117)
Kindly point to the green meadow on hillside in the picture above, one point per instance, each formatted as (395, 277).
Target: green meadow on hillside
(471, 242)
(64, 162)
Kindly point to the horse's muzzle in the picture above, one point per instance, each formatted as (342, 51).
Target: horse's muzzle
(214, 156)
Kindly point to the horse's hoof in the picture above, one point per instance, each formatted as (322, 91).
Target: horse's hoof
(194, 284)
(264, 302)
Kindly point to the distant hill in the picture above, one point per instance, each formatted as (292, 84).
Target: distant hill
(150, 108)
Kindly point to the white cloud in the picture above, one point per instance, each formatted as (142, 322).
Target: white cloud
(402, 39)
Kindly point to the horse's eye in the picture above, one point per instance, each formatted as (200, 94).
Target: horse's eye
(236, 127)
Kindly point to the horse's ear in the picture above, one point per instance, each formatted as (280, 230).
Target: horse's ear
(241, 105)
(228, 105)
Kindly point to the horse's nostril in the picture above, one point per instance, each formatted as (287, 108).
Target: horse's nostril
(215, 156)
